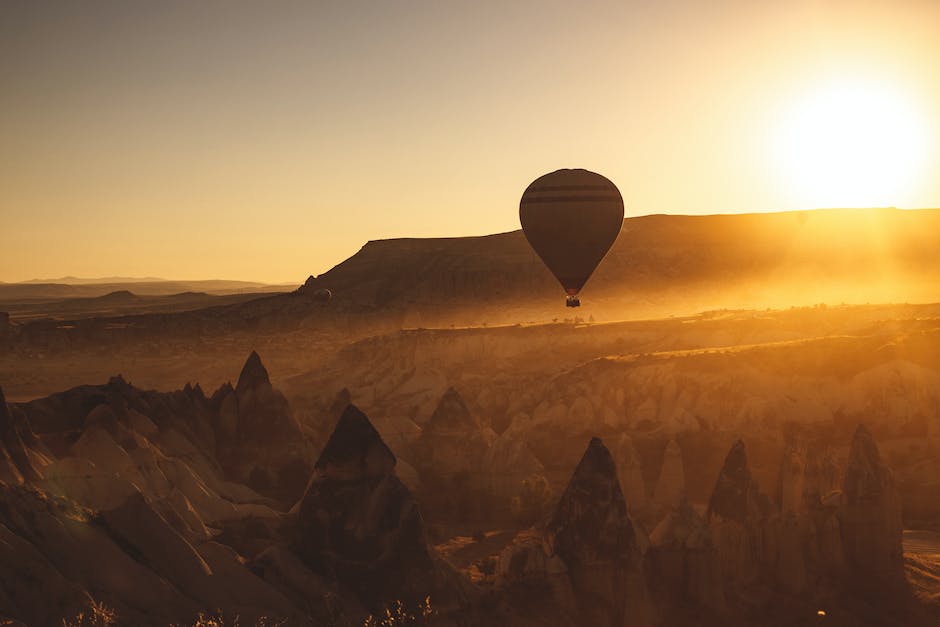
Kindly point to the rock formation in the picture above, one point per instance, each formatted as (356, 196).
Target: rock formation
(259, 441)
(735, 518)
(684, 566)
(587, 554)
(814, 536)
(593, 535)
(453, 440)
(871, 515)
(22, 456)
(358, 524)
(450, 457)
(507, 465)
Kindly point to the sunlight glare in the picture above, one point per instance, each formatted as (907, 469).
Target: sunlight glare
(852, 144)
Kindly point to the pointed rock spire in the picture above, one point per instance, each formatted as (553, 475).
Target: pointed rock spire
(683, 561)
(591, 522)
(730, 497)
(871, 515)
(683, 527)
(355, 449)
(594, 537)
(452, 414)
(865, 476)
(252, 375)
(359, 524)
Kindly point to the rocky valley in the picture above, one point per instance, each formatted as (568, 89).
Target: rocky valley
(434, 444)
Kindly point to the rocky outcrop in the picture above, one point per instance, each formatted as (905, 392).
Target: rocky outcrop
(358, 524)
(593, 535)
(735, 518)
(508, 464)
(587, 554)
(450, 457)
(453, 440)
(70, 558)
(326, 602)
(21, 456)
(814, 535)
(871, 514)
(259, 442)
(684, 566)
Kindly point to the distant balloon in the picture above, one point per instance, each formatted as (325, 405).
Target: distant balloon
(571, 219)
(323, 295)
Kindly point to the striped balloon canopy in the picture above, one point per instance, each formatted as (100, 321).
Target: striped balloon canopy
(571, 218)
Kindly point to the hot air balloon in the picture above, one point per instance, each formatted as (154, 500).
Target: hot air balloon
(571, 219)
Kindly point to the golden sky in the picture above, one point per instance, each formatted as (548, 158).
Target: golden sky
(270, 140)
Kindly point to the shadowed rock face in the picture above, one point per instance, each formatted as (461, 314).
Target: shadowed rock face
(9, 470)
(358, 524)
(730, 498)
(65, 556)
(594, 537)
(355, 449)
(451, 458)
(253, 374)
(735, 517)
(18, 461)
(590, 523)
(871, 515)
(452, 415)
(816, 536)
(684, 565)
(259, 441)
(250, 434)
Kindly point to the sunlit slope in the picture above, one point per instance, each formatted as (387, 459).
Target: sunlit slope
(667, 262)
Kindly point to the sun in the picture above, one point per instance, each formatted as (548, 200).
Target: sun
(852, 144)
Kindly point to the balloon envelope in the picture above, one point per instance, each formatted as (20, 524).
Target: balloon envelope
(571, 218)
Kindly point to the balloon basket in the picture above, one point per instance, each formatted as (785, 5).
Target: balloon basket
(573, 301)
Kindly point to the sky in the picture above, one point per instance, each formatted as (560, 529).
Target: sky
(270, 140)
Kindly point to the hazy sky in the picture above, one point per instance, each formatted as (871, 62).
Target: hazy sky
(270, 140)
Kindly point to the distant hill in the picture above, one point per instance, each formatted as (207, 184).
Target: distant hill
(36, 291)
(74, 280)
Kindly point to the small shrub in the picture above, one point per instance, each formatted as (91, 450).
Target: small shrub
(397, 615)
(97, 615)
